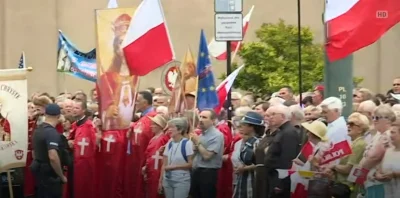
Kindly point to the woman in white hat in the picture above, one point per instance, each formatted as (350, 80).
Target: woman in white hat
(154, 157)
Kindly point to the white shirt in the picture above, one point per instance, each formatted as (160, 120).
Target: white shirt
(174, 154)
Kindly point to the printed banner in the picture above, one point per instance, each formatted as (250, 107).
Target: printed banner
(14, 111)
(75, 62)
(117, 87)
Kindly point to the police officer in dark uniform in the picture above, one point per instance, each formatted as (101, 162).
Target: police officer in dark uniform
(46, 167)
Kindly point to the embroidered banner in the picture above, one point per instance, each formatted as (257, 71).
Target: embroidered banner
(14, 112)
(75, 62)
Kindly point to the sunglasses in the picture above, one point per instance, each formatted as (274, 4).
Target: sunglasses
(308, 114)
(352, 124)
(396, 84)
(377, 118)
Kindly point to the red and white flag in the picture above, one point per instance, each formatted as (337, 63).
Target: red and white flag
(218, 49)
(358, 175)
(224, 87)
(339, 147)
(147, 44)
(354, 24)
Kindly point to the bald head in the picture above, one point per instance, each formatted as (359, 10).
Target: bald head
(68, 106)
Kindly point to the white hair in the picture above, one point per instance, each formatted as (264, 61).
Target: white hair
(276, 101)
(396, 107)
(297, 112)
(284, 110)
(333, 103)
(241, 111)
(368, 106)
(162, 109)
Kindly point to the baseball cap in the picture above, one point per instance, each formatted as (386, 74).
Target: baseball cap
(52, 110)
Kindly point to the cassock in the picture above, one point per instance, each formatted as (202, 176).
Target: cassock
(117, 90)
(135, 158)
(84, 159)
(29, 182)
(154, 159)
(6, 127)
(110, 163)
(224, 185)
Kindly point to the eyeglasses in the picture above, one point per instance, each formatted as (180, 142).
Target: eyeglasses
(377, 118)
(308, 114)
(396, 84)
(352, 124)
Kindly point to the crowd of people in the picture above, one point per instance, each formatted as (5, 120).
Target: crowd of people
(200, 154)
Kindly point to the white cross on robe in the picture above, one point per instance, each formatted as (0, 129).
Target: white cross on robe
(83, 144)
(109, 140)
(157, 157)
(138, 130)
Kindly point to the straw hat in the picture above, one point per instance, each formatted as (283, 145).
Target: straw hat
(317, 128)
(159, 120)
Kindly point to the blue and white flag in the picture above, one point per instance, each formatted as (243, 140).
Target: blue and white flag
(21, 64)
(75, 62)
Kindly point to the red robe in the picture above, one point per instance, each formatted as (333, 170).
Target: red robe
(29, 182)
(6, 126)
(84, 160)
(134, 181)
(109, 92)
(225, 177)
(110, 164)
(153, 168)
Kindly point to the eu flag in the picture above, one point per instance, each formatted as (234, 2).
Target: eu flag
(206, 95)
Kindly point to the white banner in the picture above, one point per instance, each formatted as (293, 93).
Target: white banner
(13, 107)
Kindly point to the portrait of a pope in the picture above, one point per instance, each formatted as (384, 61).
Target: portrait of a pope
(116, 84)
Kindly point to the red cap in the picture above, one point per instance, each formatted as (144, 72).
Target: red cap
(319, 88)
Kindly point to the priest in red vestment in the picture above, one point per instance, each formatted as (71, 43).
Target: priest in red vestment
(224, 185)
(154, 158)
(117, 86)
(84, 149)
(140, 137)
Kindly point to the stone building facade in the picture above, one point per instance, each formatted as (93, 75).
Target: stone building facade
(32, 26)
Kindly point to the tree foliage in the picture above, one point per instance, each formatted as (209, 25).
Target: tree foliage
(272, 62)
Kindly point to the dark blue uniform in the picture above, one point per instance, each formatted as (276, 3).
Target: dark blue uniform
(48, 183)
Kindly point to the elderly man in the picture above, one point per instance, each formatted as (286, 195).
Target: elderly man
(297, 118)
(281, 151)
(367, 108)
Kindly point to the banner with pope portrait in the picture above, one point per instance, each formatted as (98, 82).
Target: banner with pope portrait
(13, 118)
(116, 85)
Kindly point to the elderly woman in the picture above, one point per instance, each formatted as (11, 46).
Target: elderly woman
(178, 157)
(383, 117)
(389, 170)
(152, 168)
(252, 127)
(357, 125)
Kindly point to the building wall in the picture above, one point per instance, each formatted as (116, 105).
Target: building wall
(31, 26)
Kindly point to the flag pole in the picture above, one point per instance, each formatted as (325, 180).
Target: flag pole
(300, 68)
(228, 72)
(236, 51)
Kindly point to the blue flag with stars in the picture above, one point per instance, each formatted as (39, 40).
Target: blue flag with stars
(206, 95)
(21, 64)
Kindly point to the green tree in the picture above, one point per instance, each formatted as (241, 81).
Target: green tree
(272, 62)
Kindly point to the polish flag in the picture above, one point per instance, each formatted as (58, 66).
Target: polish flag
(224, 87)
(354, 24)
(112, 4)
(218, 49)
(339, 147)
(147, 44)
(358, 175)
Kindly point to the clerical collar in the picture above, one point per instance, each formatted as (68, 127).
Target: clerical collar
(81, 121)
(148, 110)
